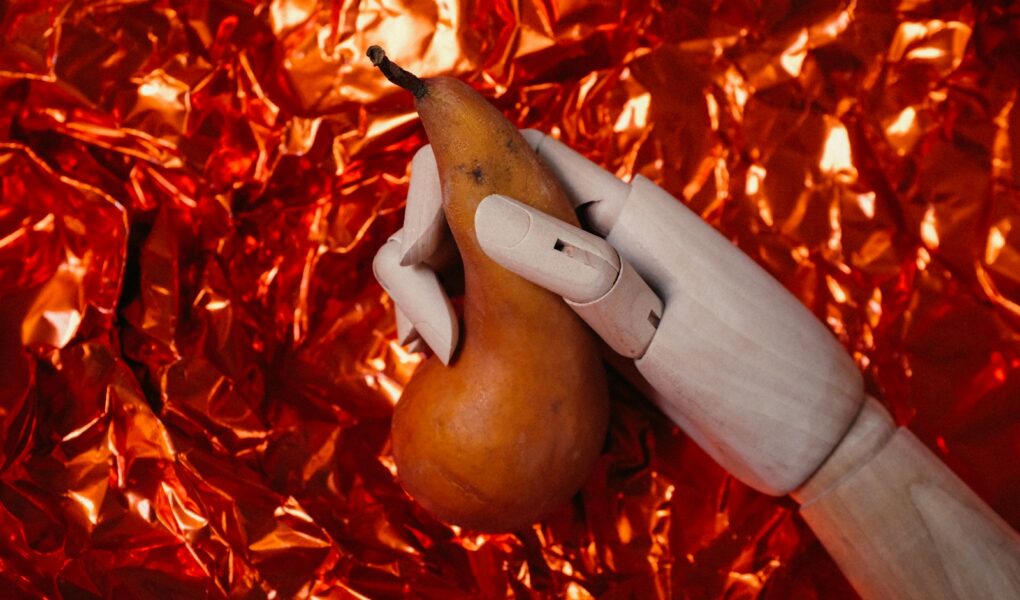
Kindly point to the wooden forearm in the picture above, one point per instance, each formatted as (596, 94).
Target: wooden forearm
(765, 389)
(901, 525)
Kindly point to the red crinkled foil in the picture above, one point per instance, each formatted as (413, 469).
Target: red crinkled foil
(197, 368)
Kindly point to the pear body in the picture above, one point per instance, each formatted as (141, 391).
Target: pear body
(512, 427)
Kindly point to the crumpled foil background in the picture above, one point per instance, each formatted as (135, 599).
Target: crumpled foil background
(197, 369)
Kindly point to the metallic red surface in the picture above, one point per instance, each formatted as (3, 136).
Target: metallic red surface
(197, 369)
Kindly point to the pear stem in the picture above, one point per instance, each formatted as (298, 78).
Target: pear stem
(394, 73)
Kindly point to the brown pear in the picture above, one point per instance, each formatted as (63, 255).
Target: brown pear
(513, 426)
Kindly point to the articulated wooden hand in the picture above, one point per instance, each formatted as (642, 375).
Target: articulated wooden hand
(735, 360)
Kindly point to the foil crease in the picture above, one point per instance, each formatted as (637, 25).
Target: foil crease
(198, 369)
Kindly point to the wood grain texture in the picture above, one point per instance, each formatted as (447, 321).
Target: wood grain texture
(740, 364)
(903, 526)
(869, 433)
